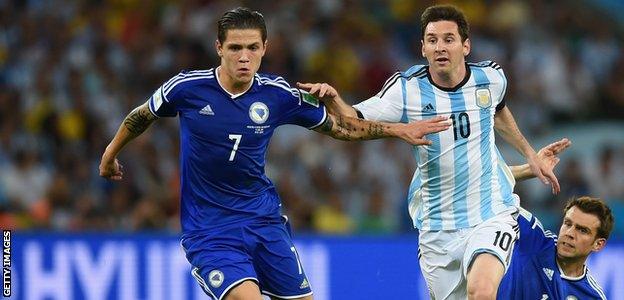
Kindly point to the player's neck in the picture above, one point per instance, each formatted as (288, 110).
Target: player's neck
(230, 85)
(571, 267)
(450, 79)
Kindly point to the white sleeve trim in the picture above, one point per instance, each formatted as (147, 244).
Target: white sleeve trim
(322, 120)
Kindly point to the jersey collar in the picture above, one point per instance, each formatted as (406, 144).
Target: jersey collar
(564, 276)
(233, 96)
(455, 88)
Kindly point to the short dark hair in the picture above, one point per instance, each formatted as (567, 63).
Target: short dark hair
(596, 207)
(241, 18)
(445, 13)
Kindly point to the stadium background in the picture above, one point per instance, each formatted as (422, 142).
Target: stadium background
(70, 71)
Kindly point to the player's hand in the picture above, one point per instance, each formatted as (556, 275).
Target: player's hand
(548, 154)
(111, 169)
(322, 91)
(544, 173)
(414, 132)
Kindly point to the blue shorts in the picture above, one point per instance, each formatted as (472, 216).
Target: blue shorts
(262, 252)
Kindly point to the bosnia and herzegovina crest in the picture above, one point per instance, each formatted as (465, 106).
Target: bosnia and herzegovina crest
(258, 112)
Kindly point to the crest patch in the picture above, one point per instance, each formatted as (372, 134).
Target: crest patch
(258, 112)
(484, 98)
(215, 278)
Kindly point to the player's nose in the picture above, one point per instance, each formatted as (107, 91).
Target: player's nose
(439, 46)
(244, 56)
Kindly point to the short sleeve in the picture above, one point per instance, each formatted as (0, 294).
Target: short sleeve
(533, 237)
(502, 87)
(162, 103)
(305, 110)
(387, 105)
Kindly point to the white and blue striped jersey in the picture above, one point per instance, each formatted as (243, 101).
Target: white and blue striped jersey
(534, 272)
(461, 178)
(223, 144)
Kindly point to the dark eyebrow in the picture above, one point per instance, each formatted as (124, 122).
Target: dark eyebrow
(444, 34)
(241, 45)
(577, 226)
(582, 227)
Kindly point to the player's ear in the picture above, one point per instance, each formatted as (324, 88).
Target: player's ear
(466, 47)
(219, 48)
(266, 43)
(422, 48)
(599, 244)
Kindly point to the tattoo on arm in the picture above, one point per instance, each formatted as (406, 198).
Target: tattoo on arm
(350, 129)
(326, 127)
(139, 119)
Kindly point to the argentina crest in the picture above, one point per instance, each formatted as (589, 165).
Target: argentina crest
(483, 97)
(258, 112)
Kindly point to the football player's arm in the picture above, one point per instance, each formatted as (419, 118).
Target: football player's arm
(506, 126)
(330, 97)
(135, 123)
(354, 129)
(548, 155)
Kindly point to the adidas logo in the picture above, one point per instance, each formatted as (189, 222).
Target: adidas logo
(429, 107)
(207, 110)
(549, 273)
(304, 284)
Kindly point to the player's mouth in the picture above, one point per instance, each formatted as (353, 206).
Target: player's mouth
(244, 70)
(442, 60)
(566, 244)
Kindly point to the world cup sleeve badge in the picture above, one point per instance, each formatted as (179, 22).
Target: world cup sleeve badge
(309, 99)
(484, 97)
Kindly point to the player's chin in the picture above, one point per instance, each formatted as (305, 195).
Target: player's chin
(565, 252)
(244, 78)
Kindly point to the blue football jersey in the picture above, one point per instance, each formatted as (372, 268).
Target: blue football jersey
(534, 273)
(223, 144)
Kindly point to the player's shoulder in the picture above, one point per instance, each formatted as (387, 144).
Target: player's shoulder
(414, 71)
(529, 222)
(486, 64)
(493, 71)
(593, 284)
(187, 78)
(276, 84)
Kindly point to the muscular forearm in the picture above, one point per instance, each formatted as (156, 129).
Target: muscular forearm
(353, 129)
(338, 107)
(522, 172)
(135, 123)
(506, 126)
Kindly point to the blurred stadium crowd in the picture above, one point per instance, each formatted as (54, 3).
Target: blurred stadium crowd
(70, 71)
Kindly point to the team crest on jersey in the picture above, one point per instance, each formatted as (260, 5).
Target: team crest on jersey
(484, 98)
(258, 112)
(215, 277)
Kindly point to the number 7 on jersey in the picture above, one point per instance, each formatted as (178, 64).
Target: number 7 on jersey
(236, 138)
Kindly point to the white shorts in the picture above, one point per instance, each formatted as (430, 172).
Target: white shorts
(446, 255)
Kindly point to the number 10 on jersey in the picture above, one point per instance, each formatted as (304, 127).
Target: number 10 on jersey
(461, 125)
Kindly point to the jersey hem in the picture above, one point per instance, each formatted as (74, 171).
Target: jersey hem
(286, 297)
